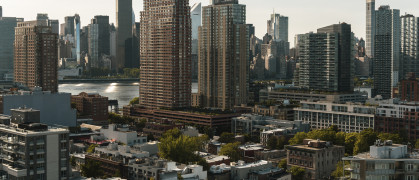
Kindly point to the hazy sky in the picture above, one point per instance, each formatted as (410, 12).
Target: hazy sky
(304, 15)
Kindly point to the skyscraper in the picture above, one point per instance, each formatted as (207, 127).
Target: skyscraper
(99, 40)
(346, 71)
(165, 54)
(370, 28)
(42, 17)
(68, 26)
(318, 68)
(77, 32)
(278, 27)
(386, 61)
(275, 51)
(53, 23)
(35, 58)
(223, 55)
(124, 24)
(196, 15)
(409, 45)
(104, 36)
(327, 69)
(1, 11)
(7, 29)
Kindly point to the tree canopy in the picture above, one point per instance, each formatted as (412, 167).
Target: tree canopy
(354, 142)
(339, 170)
(227, 137)
(136, 100)
(275, 142)
(231, 150)
(297, 173)
(118, 119)
(283, 164)
(180, 148)
(91, 169)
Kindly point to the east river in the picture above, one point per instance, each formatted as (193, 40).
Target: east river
(121, 91)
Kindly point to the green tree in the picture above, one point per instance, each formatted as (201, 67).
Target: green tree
(365, 140)
(227, 137)
(323, 134)
(150, 137)
(283, 164)
(334, 128)
(369, 82)
(273, 142)
(91, 148)
(350, 140)
(136, 100)
(91, 169)
(388, 136)
(180, 148)
(174, 133)
(281, 142)
(202, 141)
(357, 82)
(297, 173)
(340, 138)
(209, 131)
(298, 138)
(141, 124)
(231, 150)
(114, 118)
(117, 173)
(339, 170)
(73, 161)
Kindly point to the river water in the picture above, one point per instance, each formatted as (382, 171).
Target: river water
(121, 91)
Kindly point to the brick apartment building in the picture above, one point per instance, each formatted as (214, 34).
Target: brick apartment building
(92, 106)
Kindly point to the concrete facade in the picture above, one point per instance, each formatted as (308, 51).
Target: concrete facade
(385, 160)
(122, 134)
(55, 107)
(348, 117)
(279, 95)
(7, 27)
(48, 148)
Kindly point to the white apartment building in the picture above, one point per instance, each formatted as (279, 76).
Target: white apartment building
(384, 161)
(122, 134)
(30, 150)
(348, 117)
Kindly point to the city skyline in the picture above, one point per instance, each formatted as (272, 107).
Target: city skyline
(257, 13)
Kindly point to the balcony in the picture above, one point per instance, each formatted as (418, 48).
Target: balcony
(40, 170)
(14, 170)
(40, 142)
(21, 143)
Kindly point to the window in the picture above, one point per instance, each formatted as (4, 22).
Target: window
(409, 167)
(63, 173)
(409, 177)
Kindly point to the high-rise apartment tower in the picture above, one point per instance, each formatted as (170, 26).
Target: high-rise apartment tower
(124, 24)
(386, 61)
(165, 48)
(36, 55)
(370, 28)
(223, 55)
